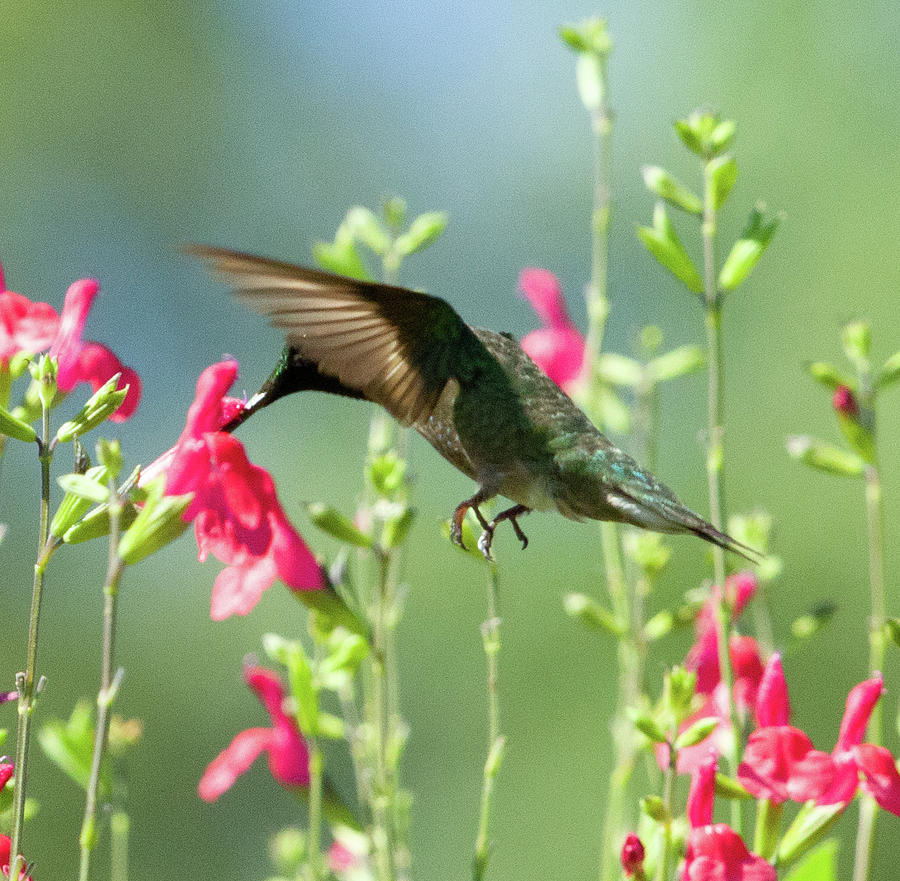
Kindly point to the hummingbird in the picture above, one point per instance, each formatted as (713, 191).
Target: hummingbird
(473, 394)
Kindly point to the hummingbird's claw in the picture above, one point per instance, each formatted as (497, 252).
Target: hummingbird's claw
(459, 514)
(484, 543)
(511, 514)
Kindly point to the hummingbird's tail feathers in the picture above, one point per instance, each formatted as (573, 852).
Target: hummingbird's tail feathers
(396, 347)
(688, 521)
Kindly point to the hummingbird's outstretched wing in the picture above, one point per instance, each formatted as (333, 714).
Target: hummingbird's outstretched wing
(393, 346)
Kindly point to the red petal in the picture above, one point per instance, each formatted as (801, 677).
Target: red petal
(702, 794)
(860, 703)
(238, 588)
(559, 352)
(770, 759)
(541, 289)
(67, 345)
(205, 414)
(233, 761)
(882, 779)
(772, 705)
(96, 364)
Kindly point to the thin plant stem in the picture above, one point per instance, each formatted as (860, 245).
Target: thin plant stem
(119, 828)
(714, 468)
(868, 810)
(664, 870)
(315, 809)
(26, 680)
(490, 633)
(109, 684)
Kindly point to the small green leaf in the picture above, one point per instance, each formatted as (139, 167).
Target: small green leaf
(647, 725)
(590, 35)
(158, 523)
(341, 256)
(679, 685)
(817, 618)
(889, 373)
(365, 227)
(747, 250)
(662, 184)
(678, 362)
(16, 428)
(721, 173)
(422, 232)
(858, 435)
(618, 370)
(663, 243)
(893, 630)
(97, 409)
(591, 80)
(857, 340)
(337, 525)
(722, 135)
(386, 474)
(84, 487)
(810, 825)
(689, 135)
(659, 626)
(654, 807)
(591, 613)
(697, 732)
(69, 744)
(820, 864)
(648, 550)
(830, 376)
(728, 787)
(74, 506)
(397, 526)
(825, 457)
(704, 133)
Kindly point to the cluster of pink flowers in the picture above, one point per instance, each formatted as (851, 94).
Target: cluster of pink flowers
(5, 858)
(28, 328)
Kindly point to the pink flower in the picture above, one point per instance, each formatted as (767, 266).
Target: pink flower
(6, 772)
(6, 849)
(235, 509)
(702, 792)
(844, 401)
(718, 853)
(632, 856)
(781, 763)
(881, 778)
(90, 362)
(287, 753)
(24, 326)
(558, 347)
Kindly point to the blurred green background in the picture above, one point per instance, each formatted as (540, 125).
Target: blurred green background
(128, 129)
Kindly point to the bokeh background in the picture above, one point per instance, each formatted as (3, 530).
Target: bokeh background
(128, 129)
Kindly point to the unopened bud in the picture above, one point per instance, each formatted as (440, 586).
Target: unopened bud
(844, 401)
(98, 407)
(633, 855)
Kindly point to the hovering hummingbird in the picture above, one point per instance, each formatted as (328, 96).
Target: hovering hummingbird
(473, 394)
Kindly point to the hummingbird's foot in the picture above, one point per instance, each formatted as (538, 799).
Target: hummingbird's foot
(511, 514)
(460, 513)
(485, 540)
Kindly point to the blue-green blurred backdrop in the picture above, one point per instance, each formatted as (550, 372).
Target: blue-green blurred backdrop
(128, 129)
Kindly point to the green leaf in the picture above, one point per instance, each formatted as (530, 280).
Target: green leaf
(659, 626)
(365, 227)
(830, 376)
(820, 864)
(858, 435)
(825, 457)
(341, 256)
(721, 173)
(84, 487)
(618, 370)
(697, 732)
(810, 825)
(857, 341)
(387, 474)
(69, 744)
(97, 409)
(816, 619)
(74, 506)
(590, 80)
(648, 550)
(397, 526)
(654, 807)
(678, 362)
(893, 629)
(647, 725)
(591, 613)
(590, 35)
(728, 787)
(663, 243)
(722, 135)
(158, 523)
(16, 428)
(662, 184)
(422, 232)
(747, 250)
(889, 373)
(704, 133)
(337, 525)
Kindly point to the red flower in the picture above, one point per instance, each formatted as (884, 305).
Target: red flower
(24, 326)
(702, 792)
(6, 772)
(844, 401)
(288, 756)
(718, 853)
(632, 856)
(880, 770)
(236, 513)
(5, 842)
(558, 347)
(781, 763)
(81, 361)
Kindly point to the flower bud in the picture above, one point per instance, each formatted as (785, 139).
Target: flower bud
(844, 402)
(157, 524)
(633, 855)
(98, 408)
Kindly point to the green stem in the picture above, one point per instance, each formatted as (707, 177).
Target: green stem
(868, 811)
(109, 684)
(315, 809)
(765, 836)
(119, 827)
(490, 633)
(714, 468)
(665, 862)
(26, 680)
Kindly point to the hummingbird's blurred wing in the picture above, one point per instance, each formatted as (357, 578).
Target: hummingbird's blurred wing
(396, 347)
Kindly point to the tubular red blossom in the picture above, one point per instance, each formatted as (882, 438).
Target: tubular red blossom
(235, 510)
(882, 779)
(90, 362)
(6, 772)
(632, 855)
(771, 767)
(702, 793)
(557, 348)
(287, 752)
(24, 326)
(772, 704)
(860, 703)
(718, 853)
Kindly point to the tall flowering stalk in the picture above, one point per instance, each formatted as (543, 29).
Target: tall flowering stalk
(854, 399)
